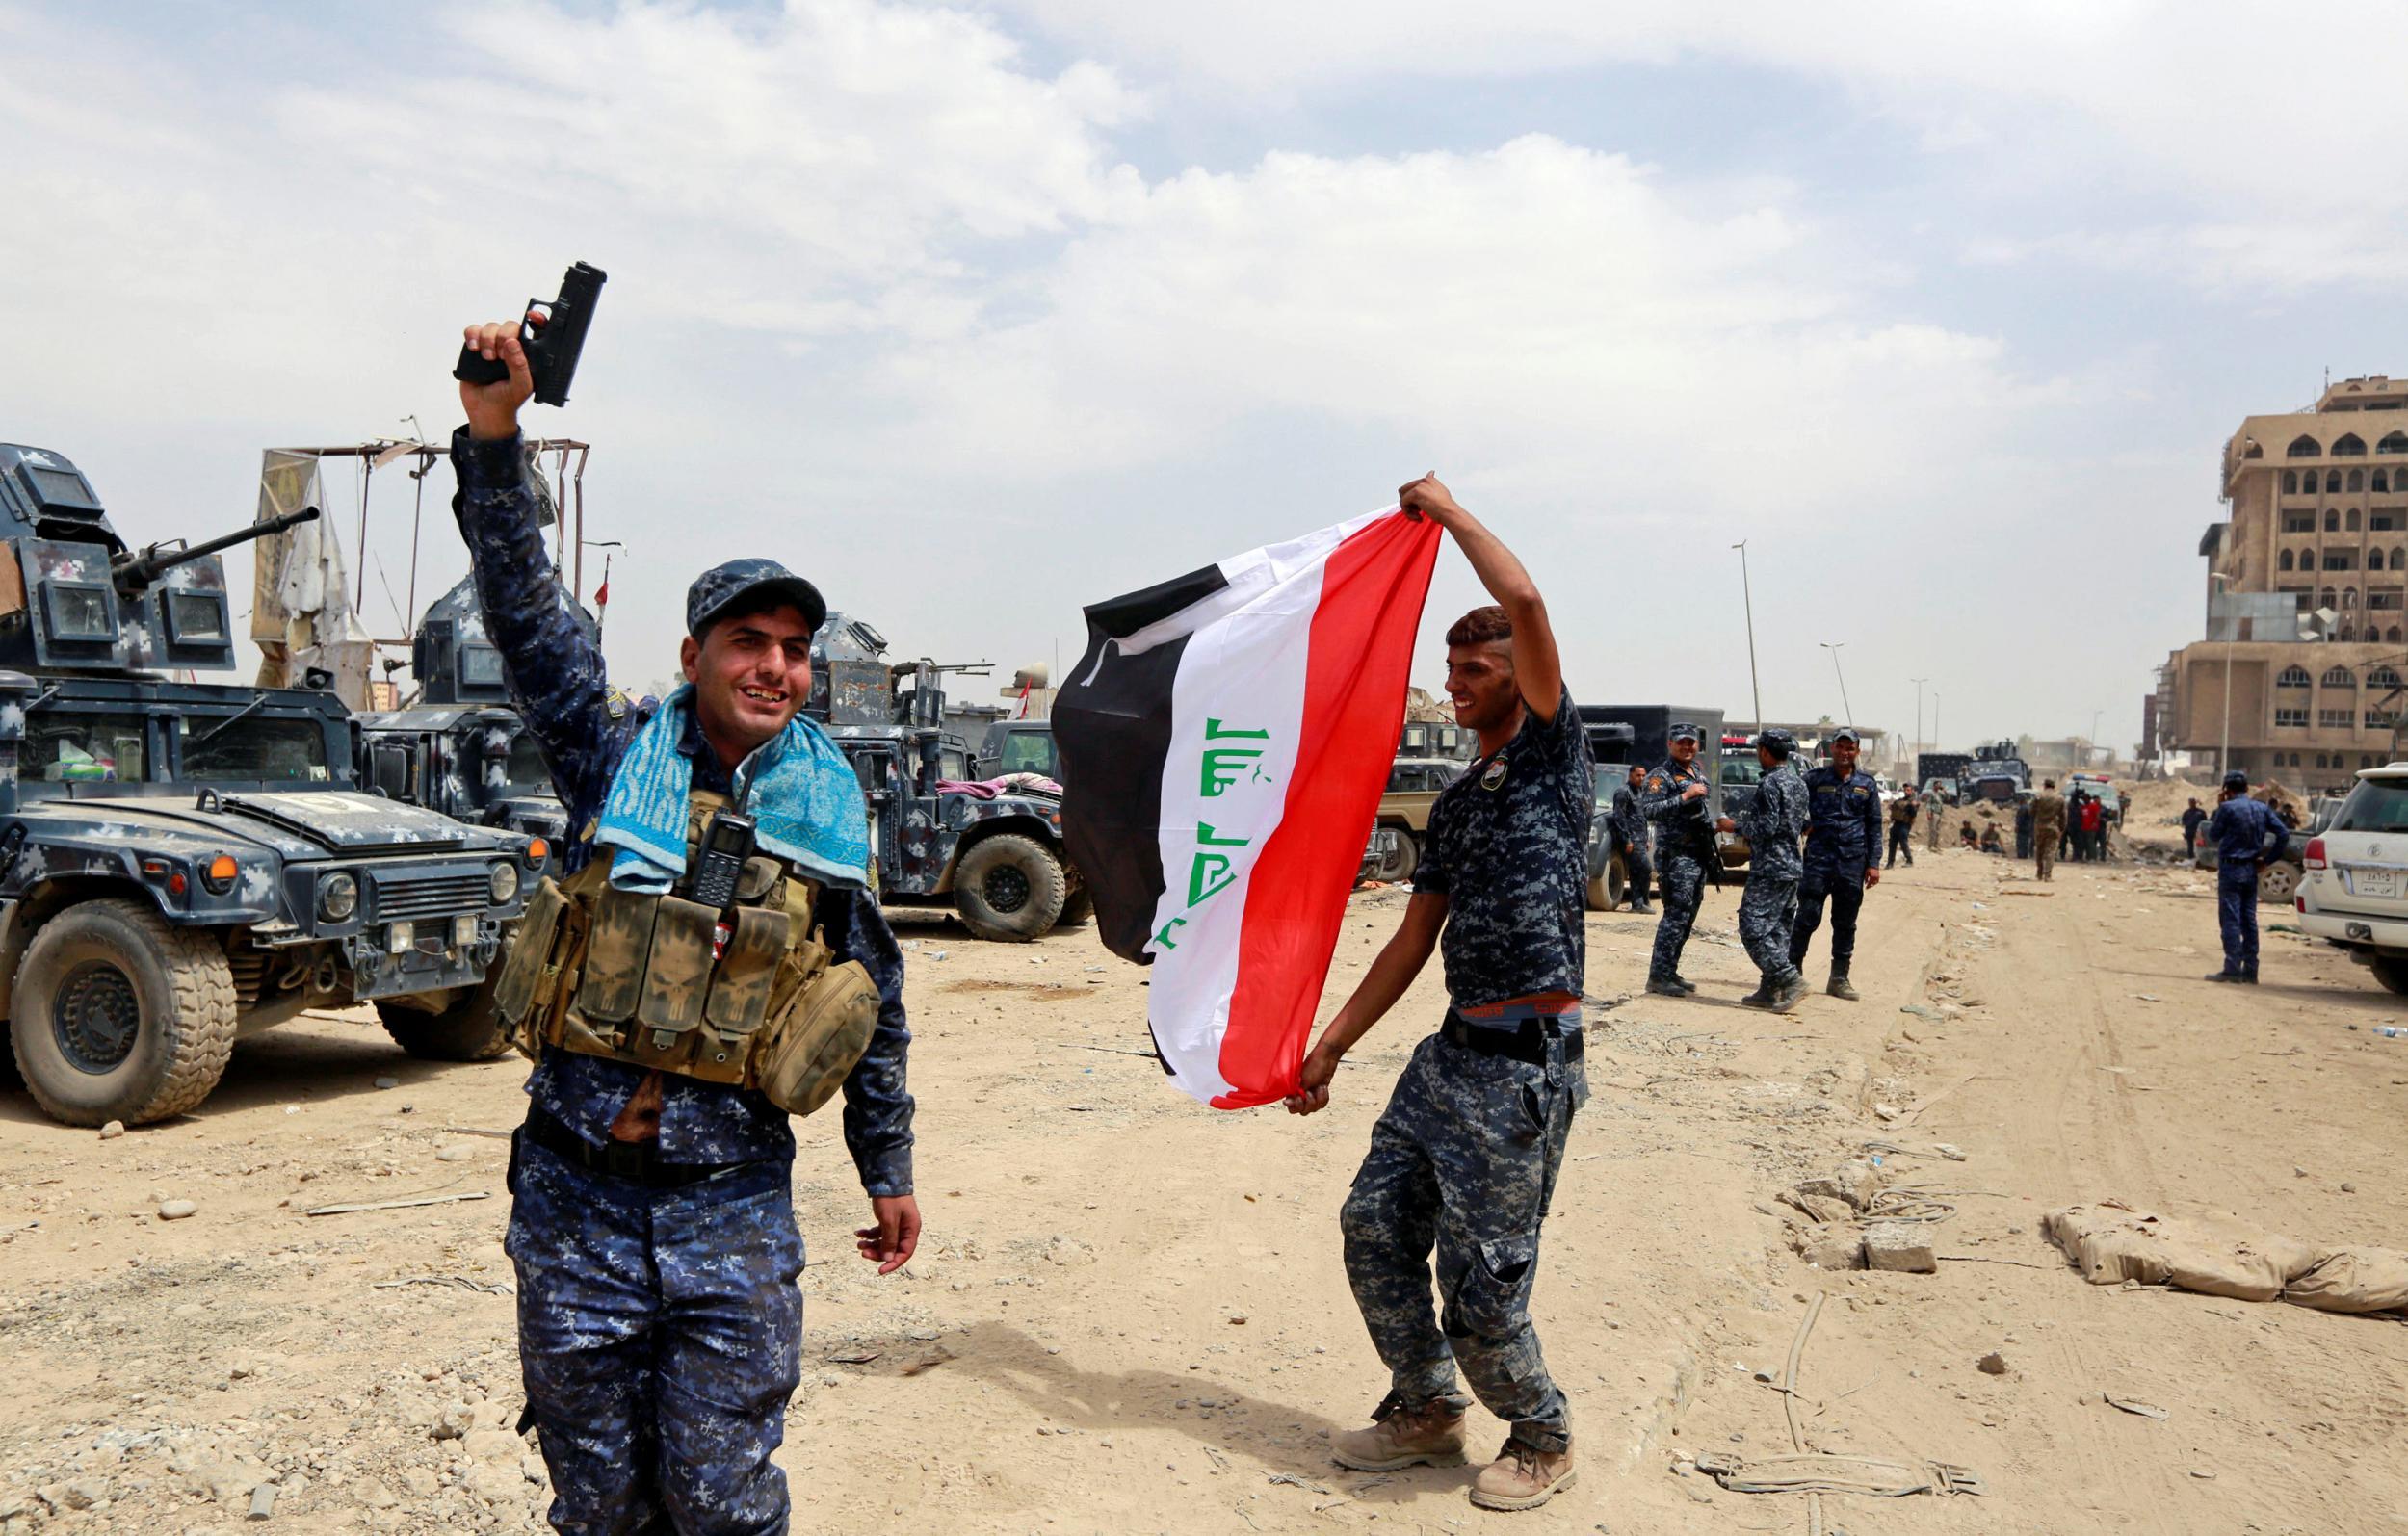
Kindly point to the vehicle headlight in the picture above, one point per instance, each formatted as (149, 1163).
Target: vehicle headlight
(505, 882)
(338, 896)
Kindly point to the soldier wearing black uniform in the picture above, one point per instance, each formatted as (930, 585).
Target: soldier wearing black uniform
(1630, 829)
(1843, 856)
(1673, 797)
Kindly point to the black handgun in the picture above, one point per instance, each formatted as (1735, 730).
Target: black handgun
(553, 333)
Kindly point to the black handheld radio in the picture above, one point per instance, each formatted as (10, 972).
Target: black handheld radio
(726, 844)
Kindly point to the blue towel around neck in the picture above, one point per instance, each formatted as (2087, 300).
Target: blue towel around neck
(799, 788)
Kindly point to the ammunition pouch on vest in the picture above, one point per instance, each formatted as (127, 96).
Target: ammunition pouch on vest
(634, 978)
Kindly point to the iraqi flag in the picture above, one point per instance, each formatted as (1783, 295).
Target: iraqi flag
(1224, 742)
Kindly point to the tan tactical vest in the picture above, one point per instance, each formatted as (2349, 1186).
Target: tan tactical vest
(631, 977)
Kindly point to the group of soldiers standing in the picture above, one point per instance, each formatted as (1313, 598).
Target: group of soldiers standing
(1814, 842)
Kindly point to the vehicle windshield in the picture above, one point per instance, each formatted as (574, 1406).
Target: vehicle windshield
(263, 746)
(85, 748)
(1747, 769)
(2375, 805)
(526, 765)
(1029, 752)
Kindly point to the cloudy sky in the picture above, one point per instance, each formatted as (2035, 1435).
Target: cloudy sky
(978, 314)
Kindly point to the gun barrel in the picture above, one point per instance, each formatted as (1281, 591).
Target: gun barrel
(134, 572)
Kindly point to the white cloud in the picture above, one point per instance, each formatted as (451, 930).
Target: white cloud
(2268, 125)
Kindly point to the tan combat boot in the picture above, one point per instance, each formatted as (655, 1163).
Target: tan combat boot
(1523, 1477)
(1431, 1434)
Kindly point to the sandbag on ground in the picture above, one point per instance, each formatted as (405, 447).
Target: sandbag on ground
(2110, 1242)
(2353, 1280)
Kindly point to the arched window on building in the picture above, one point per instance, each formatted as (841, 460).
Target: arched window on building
(2319, 759)
(2340, 677)
(2332, 482)
(2293, 676)
(2391, 635)
(2381, 480)
(2357, 480)
(2291, 482)
(2400, 558)
(2331, 520)
(2351, 521)
(2303, 445)
(2349, 600)
(2348, 633)
(2393, 443)
(2330, 599)
(2349, 445)
(2284, 562)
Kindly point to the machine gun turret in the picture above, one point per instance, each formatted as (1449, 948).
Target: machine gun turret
(133, 573)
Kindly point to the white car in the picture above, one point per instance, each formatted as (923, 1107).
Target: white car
(2355, 893)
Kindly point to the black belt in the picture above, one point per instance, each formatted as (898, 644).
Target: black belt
(1525, 1041)
(636, 1161)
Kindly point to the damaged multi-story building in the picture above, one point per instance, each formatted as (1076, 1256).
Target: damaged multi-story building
(2298, 674)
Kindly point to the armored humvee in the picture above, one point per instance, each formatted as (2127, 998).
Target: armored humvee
(458, 747)
(997, 861)
(182, 863)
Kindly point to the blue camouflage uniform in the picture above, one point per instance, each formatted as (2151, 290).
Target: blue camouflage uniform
(660, 1328)
(2245, 831)
(1842, 841)
(1772, 824)
(1629, 825)
(1685, 858)
(1463, 1161)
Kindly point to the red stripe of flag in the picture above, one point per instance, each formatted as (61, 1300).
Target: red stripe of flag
(1357, 666)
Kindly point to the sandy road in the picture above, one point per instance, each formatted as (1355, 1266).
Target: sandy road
(1130, 1315)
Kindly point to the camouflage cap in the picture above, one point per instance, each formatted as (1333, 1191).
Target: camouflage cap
(719, 586)
(1848, 733)
(1777, 738)
(1684, 729)
(2237, 780)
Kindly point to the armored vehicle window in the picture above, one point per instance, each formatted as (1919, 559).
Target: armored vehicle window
(1028, 752)
(480, 666)
(1742, 770)
(526, 764)
(196, 618)
(257, 748)
(85, 748)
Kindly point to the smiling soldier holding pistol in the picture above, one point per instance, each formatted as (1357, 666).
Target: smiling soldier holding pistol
(709, 963)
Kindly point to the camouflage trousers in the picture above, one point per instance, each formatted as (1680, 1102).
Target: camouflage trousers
(660, 1333)
(1767, 912)
(1681, 884)
(1463, 1164)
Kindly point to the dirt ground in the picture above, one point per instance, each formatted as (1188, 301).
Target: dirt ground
(1129, 1313)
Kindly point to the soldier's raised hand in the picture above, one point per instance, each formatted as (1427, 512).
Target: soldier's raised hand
(493, 408)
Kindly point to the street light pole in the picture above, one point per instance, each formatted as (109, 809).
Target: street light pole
(1845, 707)
(1748, 598)
(1918, 682)
(2224, 740)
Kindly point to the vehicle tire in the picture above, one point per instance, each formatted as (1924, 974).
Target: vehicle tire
(1077, 907)
(1400, 867)
(2278, 882)
(468, 1029)
(1010, 889)
(120, 1015)
(1606, 891)
(2392, 970)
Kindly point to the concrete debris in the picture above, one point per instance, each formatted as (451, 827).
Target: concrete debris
(1901, 1248)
